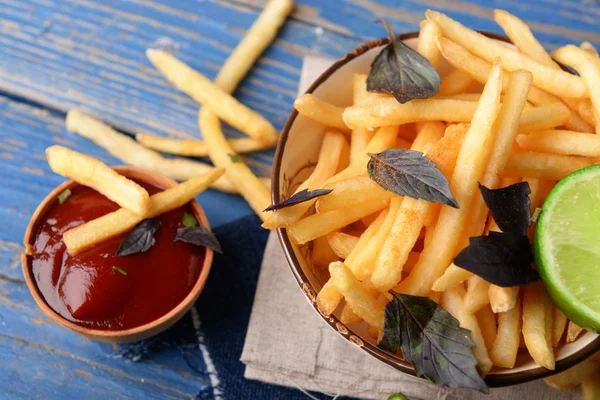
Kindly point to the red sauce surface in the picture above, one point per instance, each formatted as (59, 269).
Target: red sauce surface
(85, 289)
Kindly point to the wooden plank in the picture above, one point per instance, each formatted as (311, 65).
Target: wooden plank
(68, 365)
(91, 53)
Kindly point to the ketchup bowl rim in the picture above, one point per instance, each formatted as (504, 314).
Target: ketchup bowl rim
(106, 335)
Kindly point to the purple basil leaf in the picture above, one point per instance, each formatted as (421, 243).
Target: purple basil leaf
(403, 72)
(432, 340)
(140, 239)
(510, 206)
(409, 173)
(501, 258)
(198, 236)
(299, 197)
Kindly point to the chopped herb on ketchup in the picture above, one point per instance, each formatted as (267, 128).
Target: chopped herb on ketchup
(119, 270)
(235, 158)
(189, 221)
(64, 196)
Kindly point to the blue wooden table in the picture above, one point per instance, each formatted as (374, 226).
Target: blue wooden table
(57, 54)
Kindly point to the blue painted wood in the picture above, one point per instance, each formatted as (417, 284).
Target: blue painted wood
(58, 54)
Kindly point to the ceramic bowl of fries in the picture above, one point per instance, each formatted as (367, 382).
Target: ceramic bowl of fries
(499, 119)
(113, 335)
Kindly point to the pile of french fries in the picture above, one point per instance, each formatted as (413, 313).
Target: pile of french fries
(503, 115)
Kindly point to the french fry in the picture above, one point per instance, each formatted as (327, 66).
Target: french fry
(359, 88)
(487, 323)
(503, 299)
(470, 165)
(363, 303)
(328, 298)
(561, 142)
(313, 226)
(327, 164)
(573, 331)
(506, 345)
(130, 152)
(122, 220)
(543, 165)
(322, 253)
(197, 148)
(262, 32)
(537, 314)
(452, 301)
(406, 226)
(212, 96)
(93, 173)
(520, 35)
(559, 83)
(480, 70)
(347, 317)
(351, 192)
(427, 42)
(505, 130)
(368, 234)
(456, 83)
(238, 173)
(321, 111)
(477, 296)
(359, 140)
(463, 96)
(587, 46)
(559, 324)
(342, 244)
(588, 67)
(382, 140)
(386, 111)
(360, 137)
(575, 375)
(590, 387)
(544, 117)
(361, 264)
(218, 102)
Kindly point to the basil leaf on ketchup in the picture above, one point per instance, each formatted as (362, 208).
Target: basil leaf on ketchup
(198, 236)
(140, 239)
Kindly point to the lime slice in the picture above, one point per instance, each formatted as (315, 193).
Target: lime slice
(567, 246)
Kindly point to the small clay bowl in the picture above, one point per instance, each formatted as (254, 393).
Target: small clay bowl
(126, 335)
(296, 156)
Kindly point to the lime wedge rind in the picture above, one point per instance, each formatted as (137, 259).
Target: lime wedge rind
(567, 246)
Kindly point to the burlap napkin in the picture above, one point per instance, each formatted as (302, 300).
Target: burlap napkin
(289, 344)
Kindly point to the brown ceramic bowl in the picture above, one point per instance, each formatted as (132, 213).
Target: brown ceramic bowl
(126, 335)
(295, 159)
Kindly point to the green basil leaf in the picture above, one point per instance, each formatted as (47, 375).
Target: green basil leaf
(140, 239)
(235, 158)
(299, 197)
(403, 72)
(409, 173)
(198, 236)
(64, 196)
(189, 220)
(432, 340)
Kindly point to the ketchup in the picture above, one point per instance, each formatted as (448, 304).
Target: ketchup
(90, 288)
